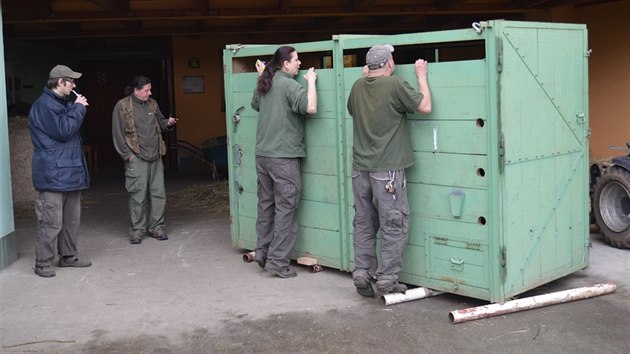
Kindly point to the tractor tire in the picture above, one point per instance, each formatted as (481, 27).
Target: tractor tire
(611, 206)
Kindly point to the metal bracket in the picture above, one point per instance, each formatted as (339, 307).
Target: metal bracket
(477, 27)
(237, 117)
(236, 47)
(237, 184)
(238, 153)
(588, 53)
(499, 56)
(457, 264)
(503, 263)
(580, 117)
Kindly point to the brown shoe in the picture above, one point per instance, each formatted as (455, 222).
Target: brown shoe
(159, 234)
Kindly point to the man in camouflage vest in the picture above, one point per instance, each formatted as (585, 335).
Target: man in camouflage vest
(137, 125)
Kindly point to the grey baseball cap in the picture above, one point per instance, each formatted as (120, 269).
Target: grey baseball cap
(63, 71)
(377, 56)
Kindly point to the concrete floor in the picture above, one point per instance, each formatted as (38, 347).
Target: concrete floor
(194, 294)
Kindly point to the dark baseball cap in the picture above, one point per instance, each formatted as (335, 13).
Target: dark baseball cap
(63, 71)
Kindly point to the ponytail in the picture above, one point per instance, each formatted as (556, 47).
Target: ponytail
(276, 63)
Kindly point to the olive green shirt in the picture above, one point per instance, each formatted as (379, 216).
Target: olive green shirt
(379, 108)
(280, 131)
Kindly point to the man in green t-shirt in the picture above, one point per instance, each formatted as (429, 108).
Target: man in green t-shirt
(282, 104)
(379, 104)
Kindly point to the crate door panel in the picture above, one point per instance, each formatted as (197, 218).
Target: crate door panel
(543, 125)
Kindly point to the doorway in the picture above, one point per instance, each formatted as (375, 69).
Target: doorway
(103, 83)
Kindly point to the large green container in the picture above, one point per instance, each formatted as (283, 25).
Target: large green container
(499, 194)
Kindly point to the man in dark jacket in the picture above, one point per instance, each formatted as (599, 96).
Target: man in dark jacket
(59, 170)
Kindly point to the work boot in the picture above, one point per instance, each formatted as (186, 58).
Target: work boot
(159, 234)
(73, 261)
(364, 287)
(282, 272)
(388, 286)
(135, 239)
(44, 271)
(261, 261)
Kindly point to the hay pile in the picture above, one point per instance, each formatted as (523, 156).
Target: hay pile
(210, 198)
(21, 153)
(601, 160)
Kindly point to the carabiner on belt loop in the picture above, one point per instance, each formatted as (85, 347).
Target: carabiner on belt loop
(391, 184)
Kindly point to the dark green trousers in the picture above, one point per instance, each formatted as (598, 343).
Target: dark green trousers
(144, 181)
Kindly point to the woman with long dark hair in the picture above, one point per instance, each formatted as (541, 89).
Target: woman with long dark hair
(282, 104)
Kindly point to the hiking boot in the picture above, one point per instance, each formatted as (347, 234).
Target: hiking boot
(261, 262)
(44, 271)
(386, 287)
(73, 261)
(135, 239)
(364, 287)
(282, 273)
(159, 234)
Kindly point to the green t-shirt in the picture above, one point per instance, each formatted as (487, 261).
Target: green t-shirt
(379, 108)
(280, 131)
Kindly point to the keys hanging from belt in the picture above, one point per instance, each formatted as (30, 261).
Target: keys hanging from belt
(390, 186)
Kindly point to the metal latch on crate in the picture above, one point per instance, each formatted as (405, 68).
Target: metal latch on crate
(238, 153)
(237, 115)
(580, 117)
(457, 263)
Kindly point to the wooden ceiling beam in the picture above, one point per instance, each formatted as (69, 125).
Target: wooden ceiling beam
(447, 4)
(588, 3)
(27, 9)
(359, 5)
(544, 4)
(220, 30)
(24, 18)
(283, 6)
(66, 27)
(116, 7)
(202, 6)
(231, 14)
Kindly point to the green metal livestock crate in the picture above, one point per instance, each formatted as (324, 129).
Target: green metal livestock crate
(499, 193)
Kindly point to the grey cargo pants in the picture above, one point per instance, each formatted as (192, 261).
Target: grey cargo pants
(376, 208)
(279, 189)
(58, 219)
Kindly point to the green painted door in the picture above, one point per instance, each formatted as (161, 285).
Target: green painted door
(544, 126)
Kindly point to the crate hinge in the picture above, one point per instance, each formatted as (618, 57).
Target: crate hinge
(503, 264)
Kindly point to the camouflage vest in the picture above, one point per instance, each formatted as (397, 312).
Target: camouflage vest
(131, 136)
